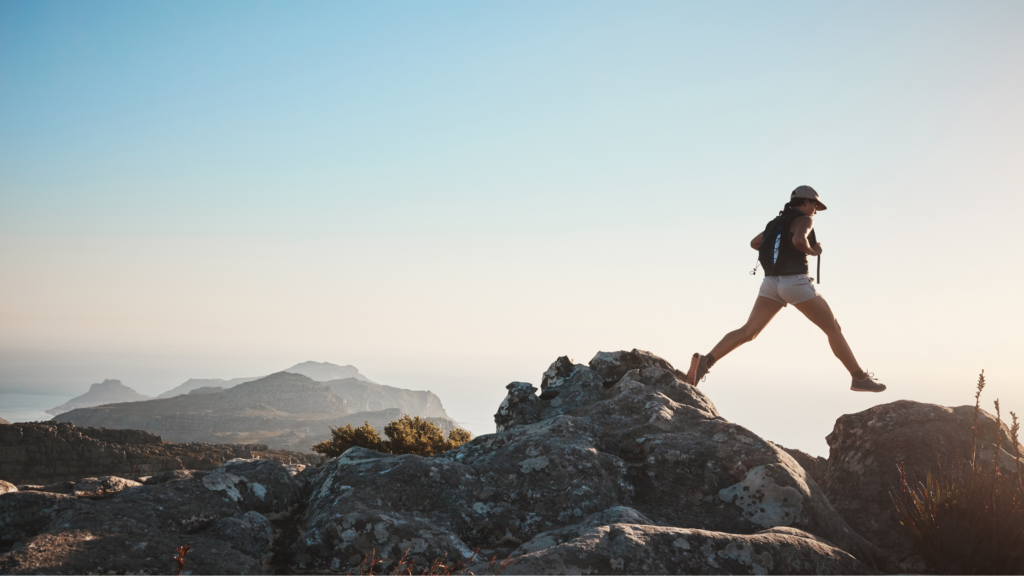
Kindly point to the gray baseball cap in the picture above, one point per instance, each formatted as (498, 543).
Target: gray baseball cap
(809, 193)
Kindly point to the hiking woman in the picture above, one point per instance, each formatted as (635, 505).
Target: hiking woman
(783, 249)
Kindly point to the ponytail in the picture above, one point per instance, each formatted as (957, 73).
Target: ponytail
(793, 204)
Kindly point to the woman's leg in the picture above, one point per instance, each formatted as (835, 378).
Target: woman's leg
(764, 310)
(818, 311)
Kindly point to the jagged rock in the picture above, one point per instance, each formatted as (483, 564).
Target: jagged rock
(52, 452)
(6, 487)
(221, 514)
(866, 448)
(624, 431)
(103, 485)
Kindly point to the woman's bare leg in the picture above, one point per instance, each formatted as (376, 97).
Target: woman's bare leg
(818, 311)
(764, 310)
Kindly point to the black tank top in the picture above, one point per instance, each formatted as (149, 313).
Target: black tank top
(777, 254)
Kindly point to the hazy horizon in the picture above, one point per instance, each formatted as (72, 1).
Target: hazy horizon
(451, 195)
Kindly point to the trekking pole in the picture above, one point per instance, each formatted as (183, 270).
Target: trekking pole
(819, 268)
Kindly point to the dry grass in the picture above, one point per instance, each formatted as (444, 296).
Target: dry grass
(968, 517)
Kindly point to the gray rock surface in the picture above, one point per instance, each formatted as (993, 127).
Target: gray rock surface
(221, 514)
(624, 548)
(285, 411)
(56, 452)
(106, 392)
(625, 431)
(866, 448)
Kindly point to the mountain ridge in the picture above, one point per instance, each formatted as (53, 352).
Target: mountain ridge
(106, 392)
(284, 410)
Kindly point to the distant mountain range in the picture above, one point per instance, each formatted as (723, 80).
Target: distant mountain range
(284, 410)
(319, 371)
(2, 421)
(106, 392)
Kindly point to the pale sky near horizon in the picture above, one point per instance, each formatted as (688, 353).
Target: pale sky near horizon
(450, 195)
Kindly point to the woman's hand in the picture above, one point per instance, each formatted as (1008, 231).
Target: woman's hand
(817, 249)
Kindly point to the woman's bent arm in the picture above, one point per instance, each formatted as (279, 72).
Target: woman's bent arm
(756, 242)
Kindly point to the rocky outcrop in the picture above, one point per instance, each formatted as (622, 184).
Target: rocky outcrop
(225, 516)
(106, 392)
(48, 452)
(609, 458)
(866, 449)
(6, 487)
(613, 467)
(284, 411)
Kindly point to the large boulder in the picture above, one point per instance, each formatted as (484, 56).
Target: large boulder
(223, 515)
(624, 432)
(867, 448)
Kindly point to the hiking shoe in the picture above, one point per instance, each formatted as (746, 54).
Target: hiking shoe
(698, 369)
(868, 384)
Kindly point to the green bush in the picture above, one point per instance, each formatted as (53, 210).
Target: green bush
(407, 435)
(968, 518)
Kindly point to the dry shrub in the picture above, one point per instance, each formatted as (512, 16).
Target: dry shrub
(407, 435)
(968, 517)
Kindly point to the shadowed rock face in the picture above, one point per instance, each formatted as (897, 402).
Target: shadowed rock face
(866, 448)
(623, 433)
(222, 514)
(49, 452)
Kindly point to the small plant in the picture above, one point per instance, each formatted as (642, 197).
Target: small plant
(180, 558)
(407, 435)
(968, 517)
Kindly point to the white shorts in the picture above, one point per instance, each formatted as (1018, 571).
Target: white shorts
(792, 289)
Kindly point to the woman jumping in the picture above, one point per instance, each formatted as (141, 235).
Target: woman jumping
(783, 248)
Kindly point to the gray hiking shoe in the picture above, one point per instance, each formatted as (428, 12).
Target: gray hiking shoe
(868, 384)
(698, 369)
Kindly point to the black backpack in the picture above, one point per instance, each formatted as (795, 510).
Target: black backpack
(775, 252)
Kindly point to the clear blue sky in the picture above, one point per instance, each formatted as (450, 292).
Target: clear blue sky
(452, 194)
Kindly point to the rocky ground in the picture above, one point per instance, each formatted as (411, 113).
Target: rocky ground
(44, 453)
(613, 467)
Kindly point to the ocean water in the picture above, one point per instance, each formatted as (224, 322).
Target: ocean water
(18, 407)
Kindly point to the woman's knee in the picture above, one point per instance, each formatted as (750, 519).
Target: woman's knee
(832, 328)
